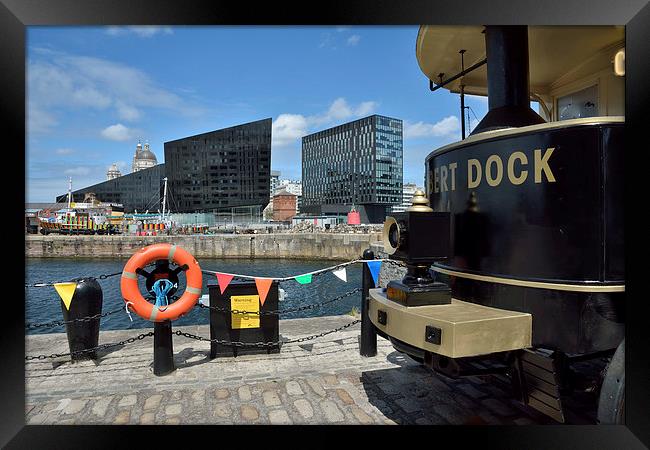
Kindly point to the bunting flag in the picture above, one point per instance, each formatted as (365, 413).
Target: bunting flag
(263, 286)
(374, 267)
(66, 291)
(341, 274)
(223, 280)
(304, 279)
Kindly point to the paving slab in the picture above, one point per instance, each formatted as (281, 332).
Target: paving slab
(326, 382)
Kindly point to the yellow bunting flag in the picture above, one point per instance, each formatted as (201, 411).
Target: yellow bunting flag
(66, 291)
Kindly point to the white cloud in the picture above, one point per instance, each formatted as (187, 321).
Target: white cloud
(341, 110)
(338, 110)
(123, 166)
(444, 128)
(38, 120)
(118, 132)
(366, 108)
(64, 151)
(57, 82)
(287, 128)
(331, 40)
(326, 41)
(141, 31)
(354, 39)
(127, 112)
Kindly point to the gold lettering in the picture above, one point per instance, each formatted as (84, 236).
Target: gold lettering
(443, 179)
(488, 170)
(452, 168)
(541, 165)
(471, 181)
(436, 177)
(511, 168)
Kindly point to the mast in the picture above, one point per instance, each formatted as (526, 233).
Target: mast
(69, 191)
(164, 198)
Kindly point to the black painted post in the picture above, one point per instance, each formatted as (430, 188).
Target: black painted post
(86, 301)
(368, 341)
(163, 351)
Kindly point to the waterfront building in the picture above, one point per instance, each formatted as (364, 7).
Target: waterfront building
(222, 169)
(294, 187)
(320, 221)
(113, 172)
(275, 179)
(284, 206)
(407, 197)
(143, 158)
(225, 172)
(355, 164)
(267, 213)
(141, 190)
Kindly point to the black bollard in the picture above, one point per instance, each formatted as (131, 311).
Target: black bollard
(368, 341)
(86, 301)
(163, 351)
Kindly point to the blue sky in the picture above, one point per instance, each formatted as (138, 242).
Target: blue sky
(92, 92)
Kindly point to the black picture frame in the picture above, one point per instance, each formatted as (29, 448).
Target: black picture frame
(16, 15)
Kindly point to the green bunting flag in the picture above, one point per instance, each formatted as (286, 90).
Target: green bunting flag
(304, 279)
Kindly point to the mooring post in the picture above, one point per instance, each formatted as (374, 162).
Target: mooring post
(163, 351)
(86, 301)
(368, 341)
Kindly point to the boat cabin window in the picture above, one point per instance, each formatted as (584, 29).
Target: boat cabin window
(583, 103)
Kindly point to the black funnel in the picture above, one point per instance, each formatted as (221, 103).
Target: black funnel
(508, 79)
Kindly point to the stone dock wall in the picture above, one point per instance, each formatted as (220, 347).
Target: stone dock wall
(285, 245)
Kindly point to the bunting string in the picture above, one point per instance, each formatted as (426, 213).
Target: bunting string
(302, 276)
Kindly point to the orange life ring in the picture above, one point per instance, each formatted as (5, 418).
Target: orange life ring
(131, 292)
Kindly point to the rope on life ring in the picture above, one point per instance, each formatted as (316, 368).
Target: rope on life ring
(154, 312)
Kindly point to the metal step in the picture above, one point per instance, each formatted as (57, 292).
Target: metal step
(541, 383)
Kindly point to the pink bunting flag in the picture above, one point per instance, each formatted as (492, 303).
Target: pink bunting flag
(224, 280)
(263, 286)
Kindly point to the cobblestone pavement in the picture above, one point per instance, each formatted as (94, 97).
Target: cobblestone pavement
(323, 382)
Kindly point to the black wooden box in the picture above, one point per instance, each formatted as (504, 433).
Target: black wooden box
(221, 323)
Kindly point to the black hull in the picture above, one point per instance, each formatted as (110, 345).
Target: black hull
(548, 208)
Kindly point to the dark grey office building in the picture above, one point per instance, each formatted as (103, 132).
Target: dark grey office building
(221, 169)
(225, 171)
(358, 163)
(141, 190)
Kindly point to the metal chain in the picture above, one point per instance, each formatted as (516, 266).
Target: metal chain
(263, 344)
(57, 323)
(100, 277)
(277, 311)
(395, 263)
(99, 347)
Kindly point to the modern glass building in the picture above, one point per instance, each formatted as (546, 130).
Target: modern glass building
(221, 169)
(358, 163)
(141, 190)
(226, 172)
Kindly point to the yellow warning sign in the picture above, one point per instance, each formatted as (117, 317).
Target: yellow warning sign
(245, 303)
(66, 291)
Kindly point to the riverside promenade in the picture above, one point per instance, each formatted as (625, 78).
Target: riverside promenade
(323, 381)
